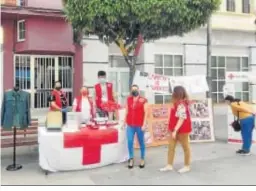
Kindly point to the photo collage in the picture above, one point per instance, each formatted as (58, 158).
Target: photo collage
(156, 133)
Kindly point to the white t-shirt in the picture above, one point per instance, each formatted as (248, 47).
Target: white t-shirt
(104, 91)
(85, 109)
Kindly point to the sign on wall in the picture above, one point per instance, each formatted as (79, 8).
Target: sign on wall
(237, 76)
(156, 132)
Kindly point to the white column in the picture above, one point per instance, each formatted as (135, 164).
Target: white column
(252, 63)
(95, 58)
(149, 61)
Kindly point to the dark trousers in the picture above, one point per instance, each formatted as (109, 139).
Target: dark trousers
(64, 118)
(247, 126)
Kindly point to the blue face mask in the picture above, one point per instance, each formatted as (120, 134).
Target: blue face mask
(102, 80)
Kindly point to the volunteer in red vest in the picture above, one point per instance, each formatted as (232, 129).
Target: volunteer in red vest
(103, 93)
(58, 101)
(179, 127)
(84, 104)
(135, 120)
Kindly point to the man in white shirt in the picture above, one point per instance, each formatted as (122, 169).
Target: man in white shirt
(103, 93)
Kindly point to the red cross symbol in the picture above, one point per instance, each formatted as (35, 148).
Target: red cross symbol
(91, 141)
(231, 76)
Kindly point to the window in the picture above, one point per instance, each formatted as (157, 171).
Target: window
(231, 6)
(221, 65)
(168, 65)
(21, 2)
(117, 62)
(21, 30)
(246, 6)
(22, 72)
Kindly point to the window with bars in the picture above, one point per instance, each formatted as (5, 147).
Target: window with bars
(22, 72)
(21, 30)
(168, 65)
(246, 6)
(221, 65)
(231, 5)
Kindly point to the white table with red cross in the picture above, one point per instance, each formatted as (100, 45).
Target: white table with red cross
(84, 149)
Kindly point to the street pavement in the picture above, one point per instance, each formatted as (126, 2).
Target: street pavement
(212, 164)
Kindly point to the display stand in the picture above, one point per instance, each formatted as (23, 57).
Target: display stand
(14, 166)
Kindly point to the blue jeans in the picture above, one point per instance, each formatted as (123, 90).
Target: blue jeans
(247, 126)
(130, 137)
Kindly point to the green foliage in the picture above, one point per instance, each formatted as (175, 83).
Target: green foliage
(126, 19)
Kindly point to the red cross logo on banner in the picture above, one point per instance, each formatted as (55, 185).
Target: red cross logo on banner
(91, 141)
(231, 76)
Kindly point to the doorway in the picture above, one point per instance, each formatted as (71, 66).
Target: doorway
(120, 79)
(37, 74)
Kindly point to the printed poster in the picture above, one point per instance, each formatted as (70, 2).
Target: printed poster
(193, 84)
(151, 82)
(157, 133)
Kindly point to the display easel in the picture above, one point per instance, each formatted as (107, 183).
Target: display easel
(14, 166)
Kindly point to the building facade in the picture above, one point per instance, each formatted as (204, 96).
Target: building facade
(38, 49)
(233, 49)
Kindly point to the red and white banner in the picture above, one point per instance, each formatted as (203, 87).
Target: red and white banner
(84, 149)
(152, 82)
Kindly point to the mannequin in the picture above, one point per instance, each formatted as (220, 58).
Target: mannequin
(15, 114)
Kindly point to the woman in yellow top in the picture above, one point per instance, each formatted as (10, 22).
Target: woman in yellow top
(246, 116)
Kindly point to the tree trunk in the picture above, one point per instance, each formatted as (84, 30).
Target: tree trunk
(209, 55)
(132, 69)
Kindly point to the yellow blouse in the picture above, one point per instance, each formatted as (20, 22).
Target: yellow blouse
(245, 110)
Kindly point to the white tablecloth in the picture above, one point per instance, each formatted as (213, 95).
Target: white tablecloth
(54, 157)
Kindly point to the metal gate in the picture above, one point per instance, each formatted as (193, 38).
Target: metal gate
(37, 75)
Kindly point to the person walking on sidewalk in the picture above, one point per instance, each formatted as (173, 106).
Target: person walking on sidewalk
(135, 119)
(246, 116)
(179, 127)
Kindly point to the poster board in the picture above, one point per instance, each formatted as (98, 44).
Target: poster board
(156, 133)
(152, 82)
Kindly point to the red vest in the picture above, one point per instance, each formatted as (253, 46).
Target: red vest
(58, 102)
(79, 102)
(187, 124)
(135, 114)
(98, 95)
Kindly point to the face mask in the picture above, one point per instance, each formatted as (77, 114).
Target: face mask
(102, 80)
(58, 88)
(135, 93)
(84, 93)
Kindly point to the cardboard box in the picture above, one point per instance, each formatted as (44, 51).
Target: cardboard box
(54, 120)
(73, 120)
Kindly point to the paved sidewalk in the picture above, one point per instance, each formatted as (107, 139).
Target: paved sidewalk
(212, 164)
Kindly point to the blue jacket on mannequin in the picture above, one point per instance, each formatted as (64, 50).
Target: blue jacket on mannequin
(15, 110)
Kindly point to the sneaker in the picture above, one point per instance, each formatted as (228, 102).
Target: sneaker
(184, 169)
(239, 151)
(166, 168)
(244, 153)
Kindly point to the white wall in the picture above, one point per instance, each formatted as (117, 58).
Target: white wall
(192, 46)
(95, 58)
